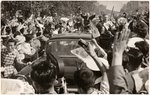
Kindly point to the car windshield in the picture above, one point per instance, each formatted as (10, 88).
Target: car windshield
(62, 47)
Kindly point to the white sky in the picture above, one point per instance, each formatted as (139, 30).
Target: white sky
(117, 4)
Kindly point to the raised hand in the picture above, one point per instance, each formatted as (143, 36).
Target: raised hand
(101, 50)
(120, 44)
(120, 41)
(90, 50)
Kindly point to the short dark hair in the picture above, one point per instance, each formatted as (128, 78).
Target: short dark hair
(141, 29)
(135, 57)
(125, 59)
(143, 47)
(44, 74)
(142, 32)
(84, 78)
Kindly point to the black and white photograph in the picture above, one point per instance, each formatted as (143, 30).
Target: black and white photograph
(74, 47)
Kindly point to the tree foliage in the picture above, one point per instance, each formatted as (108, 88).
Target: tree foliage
(61, 7)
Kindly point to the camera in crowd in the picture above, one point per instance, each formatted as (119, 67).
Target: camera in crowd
(83, 43)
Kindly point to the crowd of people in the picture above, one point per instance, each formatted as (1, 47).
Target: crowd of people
(123, 43)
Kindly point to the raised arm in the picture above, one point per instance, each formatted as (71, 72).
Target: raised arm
(116, 73)
(104, 88)
(90, 50)
(103, 53)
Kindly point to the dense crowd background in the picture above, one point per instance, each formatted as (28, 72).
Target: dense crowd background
(123, 43)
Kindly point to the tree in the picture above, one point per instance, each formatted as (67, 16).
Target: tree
(61, 7)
